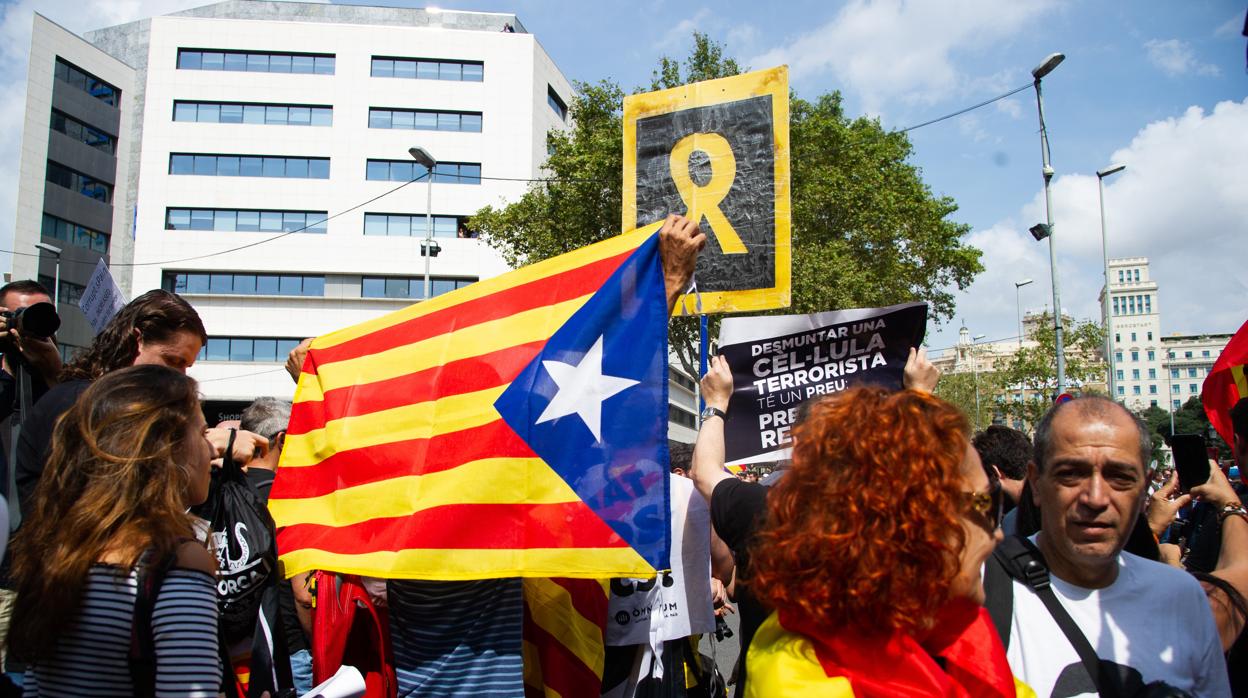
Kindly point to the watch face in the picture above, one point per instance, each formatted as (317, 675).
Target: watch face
(710, 412)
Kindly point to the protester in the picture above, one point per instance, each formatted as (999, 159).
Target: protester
(464, 638)
(1145, 622)
(38, 353)
(1006, 452)
(268, 418)
(126, 462)
(737, 506)
(159, 328)
(41, 359)
(871, 555)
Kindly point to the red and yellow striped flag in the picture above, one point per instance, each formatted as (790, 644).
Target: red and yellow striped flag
(564, 637)
(397, 463)
(1227, 384)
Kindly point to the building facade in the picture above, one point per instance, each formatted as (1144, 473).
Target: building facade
(260, 164)
(1188, 359)
(80, 107)
(1134, 324)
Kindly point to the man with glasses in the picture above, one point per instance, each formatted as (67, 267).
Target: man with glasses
(1144, 621)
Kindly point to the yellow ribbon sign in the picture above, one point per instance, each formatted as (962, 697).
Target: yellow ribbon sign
(704, 200)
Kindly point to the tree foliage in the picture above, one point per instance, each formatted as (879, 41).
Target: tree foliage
(866, 230)
(1190, 418)
(960, 389)
(1033, 369)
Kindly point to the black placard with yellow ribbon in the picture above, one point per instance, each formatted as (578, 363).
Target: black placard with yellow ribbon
(718, 150)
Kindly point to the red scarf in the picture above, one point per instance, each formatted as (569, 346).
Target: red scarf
(973, 659)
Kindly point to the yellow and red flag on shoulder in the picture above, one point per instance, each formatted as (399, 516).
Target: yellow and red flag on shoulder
(513, 428)
(1227, 384)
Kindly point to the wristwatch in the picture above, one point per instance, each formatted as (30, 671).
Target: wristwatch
(714, 412)
(1232, 510)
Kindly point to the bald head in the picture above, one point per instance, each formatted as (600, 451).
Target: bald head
(1092, 408)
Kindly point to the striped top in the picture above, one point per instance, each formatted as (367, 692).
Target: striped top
(457, 638)
(92, 655)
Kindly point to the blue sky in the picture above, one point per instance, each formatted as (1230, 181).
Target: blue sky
(1160, 86)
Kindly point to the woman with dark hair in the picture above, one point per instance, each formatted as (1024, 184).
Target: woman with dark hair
(158, 328)
(871, 555)
(127, 460)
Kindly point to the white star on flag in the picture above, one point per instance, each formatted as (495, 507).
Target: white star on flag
(582, 389)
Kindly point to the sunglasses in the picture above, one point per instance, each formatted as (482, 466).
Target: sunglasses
(985, 506)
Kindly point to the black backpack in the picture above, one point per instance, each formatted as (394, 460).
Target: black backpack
(1017, 558)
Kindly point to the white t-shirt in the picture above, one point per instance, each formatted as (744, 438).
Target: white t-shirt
(1154, 622)
(675, 604)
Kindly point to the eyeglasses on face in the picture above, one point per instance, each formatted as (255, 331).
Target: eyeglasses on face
(985, 507)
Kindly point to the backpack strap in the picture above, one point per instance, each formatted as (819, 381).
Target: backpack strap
(142, 654)
(1023, 561)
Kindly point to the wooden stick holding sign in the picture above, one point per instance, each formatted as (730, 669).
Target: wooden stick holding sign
(718, 151)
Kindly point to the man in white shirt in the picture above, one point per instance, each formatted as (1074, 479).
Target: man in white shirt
(1146, 621)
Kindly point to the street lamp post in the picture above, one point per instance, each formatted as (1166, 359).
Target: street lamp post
(426, 160)
(56, 281)
(1018, 307)
(1046, 67)
(1109, 335)
(975, 371)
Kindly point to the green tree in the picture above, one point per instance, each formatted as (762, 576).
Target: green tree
(961, 390)
(866, 230)
(1190, 418)
(1033, 369)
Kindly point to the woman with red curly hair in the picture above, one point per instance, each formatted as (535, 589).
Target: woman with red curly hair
(871, 555)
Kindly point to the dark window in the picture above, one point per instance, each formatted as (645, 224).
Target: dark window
(228, 283)
(71, 179)
(556, 103)
(81, 132)
(408, 286)
(413, 225)
(229, 220)
(424, 119)
(70, 292)
(247, 349)
(245, 113)
(407, 171)
(87, 82)
(249, 166)
(427, 69)
(74, 234)
(256, 61)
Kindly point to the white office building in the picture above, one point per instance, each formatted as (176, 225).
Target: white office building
(1135, 332)
(227, 125)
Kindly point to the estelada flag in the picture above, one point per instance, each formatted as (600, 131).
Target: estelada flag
(1226, 384)
(516, 427)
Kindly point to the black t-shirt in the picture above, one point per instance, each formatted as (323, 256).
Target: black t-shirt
(35, 442)
(737, 510)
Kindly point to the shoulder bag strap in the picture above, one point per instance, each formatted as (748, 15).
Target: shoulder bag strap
(1026, 563)
(142, 654)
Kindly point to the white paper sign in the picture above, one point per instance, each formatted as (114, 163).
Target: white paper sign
(102, 298)
(347, 683)
(674, 605)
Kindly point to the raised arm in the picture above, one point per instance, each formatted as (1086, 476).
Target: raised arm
(707, 469)
(1233, 557)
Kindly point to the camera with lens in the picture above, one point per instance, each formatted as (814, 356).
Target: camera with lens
(38, 320)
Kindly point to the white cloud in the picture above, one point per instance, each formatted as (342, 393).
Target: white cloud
(1180, 202)
(1176, 57)
(902, 50)
(1231, 27)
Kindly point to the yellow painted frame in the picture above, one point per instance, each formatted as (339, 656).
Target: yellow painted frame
(774, 82)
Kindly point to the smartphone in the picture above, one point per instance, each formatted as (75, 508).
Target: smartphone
(1191, 460)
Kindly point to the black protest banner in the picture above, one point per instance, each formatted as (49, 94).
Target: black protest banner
(781, 361)
(718, 151)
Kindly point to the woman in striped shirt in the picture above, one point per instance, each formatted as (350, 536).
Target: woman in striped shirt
(126, 462)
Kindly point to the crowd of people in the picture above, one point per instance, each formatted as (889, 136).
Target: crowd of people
(896, 552)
